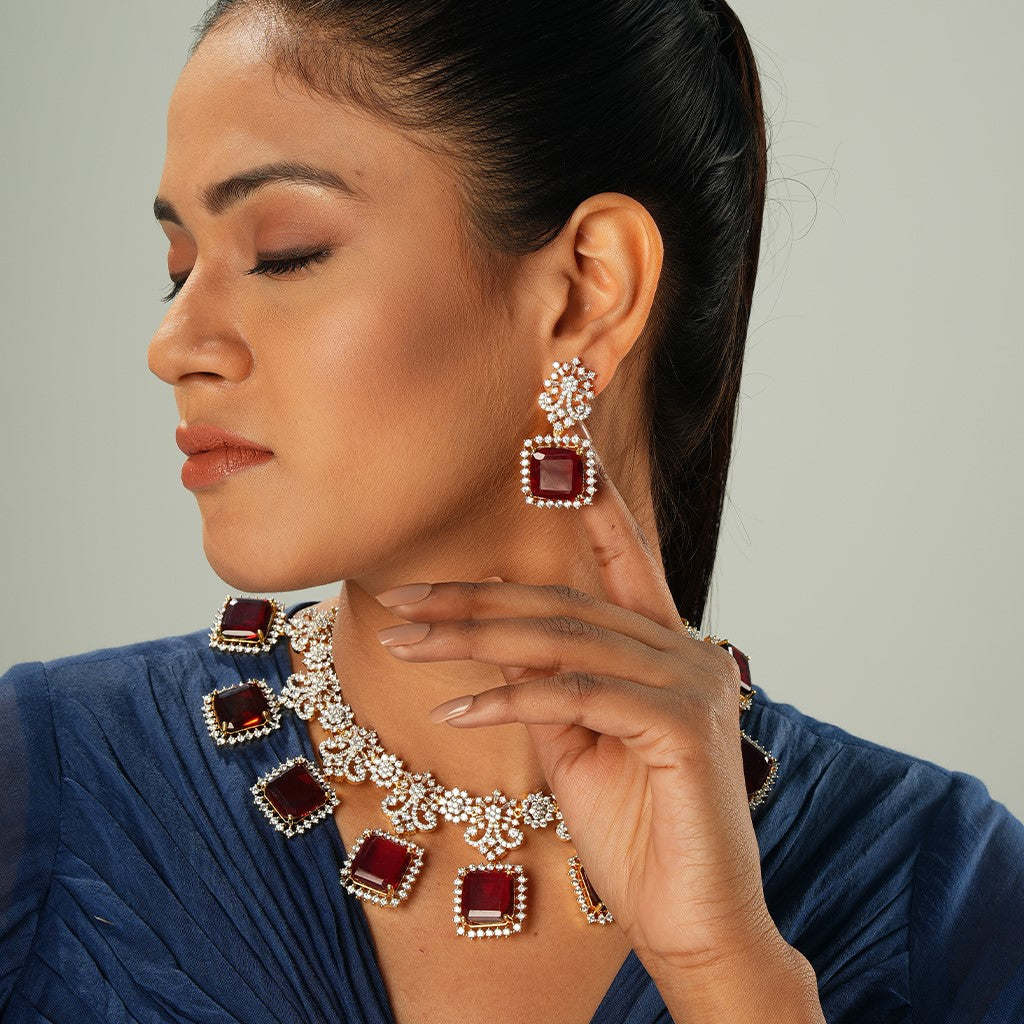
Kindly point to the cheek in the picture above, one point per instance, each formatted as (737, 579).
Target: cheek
(398, 364)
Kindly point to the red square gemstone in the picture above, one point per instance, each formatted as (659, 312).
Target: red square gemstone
(295, 793)
(756, 766)
(380, 864)
(595, 900)
(240, 708)
(744, 664)
(487, 897)
(246, 619)
(556, 473)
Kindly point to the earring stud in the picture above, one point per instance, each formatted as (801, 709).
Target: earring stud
(558, 469)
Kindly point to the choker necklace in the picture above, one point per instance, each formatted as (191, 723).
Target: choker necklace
(489, 897)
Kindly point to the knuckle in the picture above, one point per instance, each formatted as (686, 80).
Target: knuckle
(726, 669)
(507, 697)
(581, 686)
(470, 633)
(701, 713)
(712, 720)
(568, 596)
(565, 627)
(473, 596)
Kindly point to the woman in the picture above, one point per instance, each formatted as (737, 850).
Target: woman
(391, 227)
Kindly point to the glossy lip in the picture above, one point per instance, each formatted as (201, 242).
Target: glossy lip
(203, 437)
(214, 454)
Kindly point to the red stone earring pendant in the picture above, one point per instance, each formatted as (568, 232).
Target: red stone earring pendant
(558, 470)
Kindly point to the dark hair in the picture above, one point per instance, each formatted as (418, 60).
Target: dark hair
(547, 102)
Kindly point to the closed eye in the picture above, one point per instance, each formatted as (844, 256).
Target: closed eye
(283, 264)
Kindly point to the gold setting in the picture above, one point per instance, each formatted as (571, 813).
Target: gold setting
(265, 640)
(393, 896)
(757, 798)
(509, 923)
(217, 728)
(596, 913)
(580, 445)
(286, 824)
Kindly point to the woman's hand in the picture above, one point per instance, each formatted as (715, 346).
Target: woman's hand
(636, 725)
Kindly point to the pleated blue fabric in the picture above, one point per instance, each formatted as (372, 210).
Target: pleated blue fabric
(139, 882)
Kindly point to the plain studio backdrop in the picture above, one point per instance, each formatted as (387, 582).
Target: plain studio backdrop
(870, 554)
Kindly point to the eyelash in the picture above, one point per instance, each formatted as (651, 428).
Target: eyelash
(283, 265)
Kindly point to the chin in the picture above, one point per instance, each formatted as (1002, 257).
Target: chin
(260, 563)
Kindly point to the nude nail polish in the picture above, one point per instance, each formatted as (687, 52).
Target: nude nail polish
(406, 633)
(451, 709)
(408, 594)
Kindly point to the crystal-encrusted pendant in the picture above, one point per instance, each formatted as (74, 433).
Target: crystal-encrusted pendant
(558, 472)
(381, 868)
(247, 625)
(245, 711)
(590, 903)
(294, 796)
(760, 769)
(490, 900)
(493, 825)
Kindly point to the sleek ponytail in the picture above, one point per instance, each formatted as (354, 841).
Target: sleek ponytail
(547, 102)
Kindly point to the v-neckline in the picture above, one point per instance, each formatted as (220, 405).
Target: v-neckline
(631, 975)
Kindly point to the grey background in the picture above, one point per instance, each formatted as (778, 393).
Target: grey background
(871, 547)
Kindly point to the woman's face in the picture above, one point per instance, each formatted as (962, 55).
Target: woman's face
(390, 392)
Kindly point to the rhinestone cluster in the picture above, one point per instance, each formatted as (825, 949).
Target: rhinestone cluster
(567, 396)
(416, 801)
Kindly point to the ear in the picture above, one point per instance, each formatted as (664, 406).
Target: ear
(592, 287)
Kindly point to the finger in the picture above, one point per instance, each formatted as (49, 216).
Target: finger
(662, 729)
(462, 601)
(556, 644)
(567, 740)
(512, 673)
(631, 574)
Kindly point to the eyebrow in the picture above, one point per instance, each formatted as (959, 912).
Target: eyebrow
(219, 197)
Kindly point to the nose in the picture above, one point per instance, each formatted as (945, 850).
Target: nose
(196, 342)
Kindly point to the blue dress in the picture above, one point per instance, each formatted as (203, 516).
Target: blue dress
(139, 881)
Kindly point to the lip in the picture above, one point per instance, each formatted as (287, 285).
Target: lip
(214, 453)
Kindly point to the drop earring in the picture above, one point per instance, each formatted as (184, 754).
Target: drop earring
(558, 469)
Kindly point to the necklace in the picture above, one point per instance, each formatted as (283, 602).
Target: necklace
(489, 897)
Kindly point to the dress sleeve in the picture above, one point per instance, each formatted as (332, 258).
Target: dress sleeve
(967, 913)
(29, 813)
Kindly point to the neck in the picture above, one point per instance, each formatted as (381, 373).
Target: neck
(393, 697)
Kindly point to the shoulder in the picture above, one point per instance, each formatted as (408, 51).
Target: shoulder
(158, 666)
(883, 868)
(107, 662)
(86, 713)
(833, 781)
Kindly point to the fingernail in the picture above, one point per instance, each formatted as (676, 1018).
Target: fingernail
(408, 594)
(451, 709)
(492, 579)
(406, 633)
